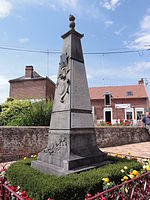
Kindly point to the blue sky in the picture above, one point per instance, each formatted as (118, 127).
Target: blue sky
(106, 24)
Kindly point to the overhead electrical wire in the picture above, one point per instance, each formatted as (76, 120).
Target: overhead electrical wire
(47, 51)
(28, 50)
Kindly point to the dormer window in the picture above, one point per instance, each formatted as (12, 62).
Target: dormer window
(107, 99)
(129, 93)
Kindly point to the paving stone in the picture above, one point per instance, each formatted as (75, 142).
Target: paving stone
(138, 149)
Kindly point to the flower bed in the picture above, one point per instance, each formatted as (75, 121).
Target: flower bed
(72, 187)
(122, 123)
(136, 188)
(8, 191)
(136, 185)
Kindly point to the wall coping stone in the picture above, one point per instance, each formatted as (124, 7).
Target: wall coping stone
(48, 127)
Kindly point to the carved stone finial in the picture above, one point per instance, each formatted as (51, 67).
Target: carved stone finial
(72, 23)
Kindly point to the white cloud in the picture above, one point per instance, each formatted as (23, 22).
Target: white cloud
(142, 37)
(89, 76)
(4, 88)
(23, 40)
(89, 10)
(120, 30)
(55, 4)
(108, 23)
(68, 3)
(53, 78)
(127, 74)
(110, 4)
(76, 7)
(3, 81)
(138, 68)
(5, 8)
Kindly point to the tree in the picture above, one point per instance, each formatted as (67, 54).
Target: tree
(25, 113)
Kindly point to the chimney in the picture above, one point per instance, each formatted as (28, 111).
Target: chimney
(29, 72)
(141, 81)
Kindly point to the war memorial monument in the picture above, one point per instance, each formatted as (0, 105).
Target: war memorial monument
(72, 141)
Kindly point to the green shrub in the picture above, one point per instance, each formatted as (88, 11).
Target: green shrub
(72, 187)
(25, 113)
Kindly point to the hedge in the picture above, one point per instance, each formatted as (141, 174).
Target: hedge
(73, 187)
(25, 113)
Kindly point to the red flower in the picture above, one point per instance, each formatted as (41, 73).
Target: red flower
(13, 188)
(49, 198)
(23, 194)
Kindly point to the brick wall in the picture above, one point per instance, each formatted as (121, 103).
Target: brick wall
(135, 103)
(50, 90)
(17, 142)
(33, 89)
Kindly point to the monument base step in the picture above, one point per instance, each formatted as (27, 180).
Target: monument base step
(47, 168)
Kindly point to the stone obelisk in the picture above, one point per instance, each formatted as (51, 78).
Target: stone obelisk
(72, 141)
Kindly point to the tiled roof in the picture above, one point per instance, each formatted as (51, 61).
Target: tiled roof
(36, 76)
(137, 91)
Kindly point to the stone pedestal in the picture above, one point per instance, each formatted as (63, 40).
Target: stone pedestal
(72, 142)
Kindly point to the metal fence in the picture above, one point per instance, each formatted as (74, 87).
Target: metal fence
(6, 193)
(134, 189)
(137, 188)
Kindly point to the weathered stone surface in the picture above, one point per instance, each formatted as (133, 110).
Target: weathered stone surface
(60, 121)
(45, 167)
(17, 142)
(79, 93)
(115, 136)
(81, 120)
(71, 110)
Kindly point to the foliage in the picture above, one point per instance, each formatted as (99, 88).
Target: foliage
(134, 183)
(73, 187)
(25, 113)
(122, 123)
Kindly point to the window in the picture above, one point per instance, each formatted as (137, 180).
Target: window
(107, 99)
(139, 113)
(129, 116)
(129, 93)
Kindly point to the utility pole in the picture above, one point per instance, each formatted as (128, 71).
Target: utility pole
(103, 68)
(47, 54)
(146, 84)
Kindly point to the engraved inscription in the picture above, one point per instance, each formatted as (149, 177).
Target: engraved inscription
(56, 147)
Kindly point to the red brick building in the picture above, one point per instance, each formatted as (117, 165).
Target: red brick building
(110, 104)
(32, 86)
